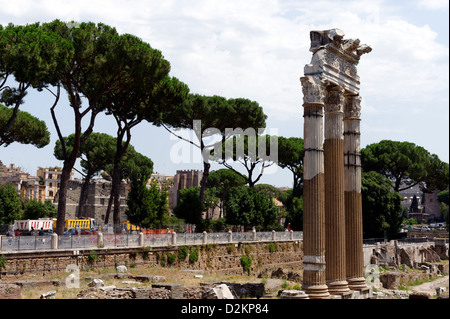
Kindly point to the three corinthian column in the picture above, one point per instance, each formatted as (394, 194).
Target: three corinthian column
(332, 208)
(332, 222)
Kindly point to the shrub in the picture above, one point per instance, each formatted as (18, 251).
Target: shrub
(193, 256)
(182, 252)
(271, 247)
(246, 263)
(3, 262)
(231, 248)
(171, 258)
(92, 257)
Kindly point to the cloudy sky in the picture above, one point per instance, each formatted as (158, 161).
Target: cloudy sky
(257, 49)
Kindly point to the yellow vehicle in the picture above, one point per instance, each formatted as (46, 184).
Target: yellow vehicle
(129, 226)
(82, 223)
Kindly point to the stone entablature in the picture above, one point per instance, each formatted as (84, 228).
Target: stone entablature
(334, 59)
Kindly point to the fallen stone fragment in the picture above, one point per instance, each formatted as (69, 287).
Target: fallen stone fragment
(121, 269)
(96, 283)
(219, 292)
(49, 295)
(293, 294)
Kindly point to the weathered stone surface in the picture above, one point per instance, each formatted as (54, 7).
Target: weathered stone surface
(440, 291)
(123, 276)
(96, 283)
(121, 269)
(10, 291)
(293, 294)
(221, 291)
(159, 293)
(193, 292)
(32, 284)
(150, 278)
(150, 293)
(49, 295)
(248, 290)
(443, 295)
(94, 293)
(220, 259)
(391, 280)
(288, 275)
(107, 288)
(175, 290)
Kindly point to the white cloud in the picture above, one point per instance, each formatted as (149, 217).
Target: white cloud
(257, 50)
(433, 4)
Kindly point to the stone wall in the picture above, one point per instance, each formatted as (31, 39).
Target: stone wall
(394, 253)
(222, 258)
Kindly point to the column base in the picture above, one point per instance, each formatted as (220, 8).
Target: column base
(338, 287)
(317, 292)
(357, 284)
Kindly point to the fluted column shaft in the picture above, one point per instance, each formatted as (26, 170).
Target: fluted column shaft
(353, 200)
(334, 192)
(314, 281)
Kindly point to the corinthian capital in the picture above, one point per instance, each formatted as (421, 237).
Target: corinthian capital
(313, 90)
(352, 106)
(334, 99)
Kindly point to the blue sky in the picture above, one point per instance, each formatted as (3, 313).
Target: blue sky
(257, 50)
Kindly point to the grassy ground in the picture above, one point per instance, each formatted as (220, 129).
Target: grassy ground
(172, 275)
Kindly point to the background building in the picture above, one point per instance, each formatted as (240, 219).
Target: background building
(27, 186)
(50, 177)
(99, 191)
(184, 179)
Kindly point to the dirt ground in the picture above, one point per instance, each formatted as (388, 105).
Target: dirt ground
(172, 275)
(175, 276)
(430, 287)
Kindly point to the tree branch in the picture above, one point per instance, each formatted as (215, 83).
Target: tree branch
(181, 138)
(55, 122)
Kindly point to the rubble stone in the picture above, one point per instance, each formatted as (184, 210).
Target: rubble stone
(49, 295)
(219, 292)
(96, 283)
(121, 269)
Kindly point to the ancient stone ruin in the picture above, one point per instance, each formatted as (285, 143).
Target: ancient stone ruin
(333, 260)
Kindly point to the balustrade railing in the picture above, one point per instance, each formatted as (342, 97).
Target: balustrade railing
(21, 243)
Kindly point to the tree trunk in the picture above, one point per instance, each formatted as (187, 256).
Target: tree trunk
(116, 178)
(206, 167)
(83, 197)
(62, 198)
(116, 191)
(108, 210)
(69, 162)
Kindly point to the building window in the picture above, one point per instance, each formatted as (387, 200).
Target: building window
(50, 176)
(50, 193)
(102, 201)
(50, 184)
